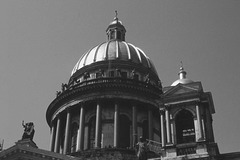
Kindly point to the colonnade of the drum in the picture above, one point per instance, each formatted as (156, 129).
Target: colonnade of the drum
(66, 115)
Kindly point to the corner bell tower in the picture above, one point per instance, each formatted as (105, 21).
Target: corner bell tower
(186, 121)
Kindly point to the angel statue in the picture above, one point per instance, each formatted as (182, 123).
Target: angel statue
(28, 130)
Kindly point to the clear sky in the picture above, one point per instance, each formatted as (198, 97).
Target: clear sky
(41, 40)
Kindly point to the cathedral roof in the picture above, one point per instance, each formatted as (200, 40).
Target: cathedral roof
(114, 50)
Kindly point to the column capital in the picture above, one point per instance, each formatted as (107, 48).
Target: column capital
(134, 103)
(162, 111)
(197, 102)
(167, 107)
(53, 122)
(58, 116)
(68, 110)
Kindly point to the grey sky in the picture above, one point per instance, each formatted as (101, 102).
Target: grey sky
(41, 40)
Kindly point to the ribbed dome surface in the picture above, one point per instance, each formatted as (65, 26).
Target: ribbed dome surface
(114, 50)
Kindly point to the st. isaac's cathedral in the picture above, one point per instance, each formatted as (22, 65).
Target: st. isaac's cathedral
(114, 107)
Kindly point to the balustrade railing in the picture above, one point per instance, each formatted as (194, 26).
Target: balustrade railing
(186, 150)
(110, 80)
(154, 146)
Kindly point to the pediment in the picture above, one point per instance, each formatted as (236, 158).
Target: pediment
(184, 89)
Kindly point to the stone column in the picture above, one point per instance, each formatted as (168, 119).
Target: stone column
(150, 125)
(116, 125)
(162, 127)
(168, 125)
(134, 125)
(67, 130)
(98, 126)
(52, 140)
(57, 137)
(199, 122)
(81, 128)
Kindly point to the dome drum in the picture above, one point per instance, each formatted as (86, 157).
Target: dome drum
(113, 69)
(102, 88)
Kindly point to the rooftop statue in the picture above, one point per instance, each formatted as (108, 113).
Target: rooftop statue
(141, 149)
(28, 130)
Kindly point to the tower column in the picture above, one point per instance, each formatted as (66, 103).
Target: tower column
(134, 125)
(204, 131)
(173, 130)
(67, 130)
(162, 127)
(150, 124)
(116, 125)
(52, 140)
(199, 122)
(57, 137)
(168, 125)
(98, 126)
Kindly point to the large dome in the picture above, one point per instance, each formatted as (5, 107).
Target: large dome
(114, 50)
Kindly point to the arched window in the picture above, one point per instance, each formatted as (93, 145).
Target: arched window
(185, 127)
(119, 35)
(92, 126)
(74, 132)
(112, 35)
(124, 135)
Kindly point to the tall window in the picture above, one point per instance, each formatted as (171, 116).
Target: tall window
(124, 135)
(74, 132)
(185, 127)
(92, 126)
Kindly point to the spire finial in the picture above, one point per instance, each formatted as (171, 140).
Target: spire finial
(181, 67)
(116, 15)
(182, 73)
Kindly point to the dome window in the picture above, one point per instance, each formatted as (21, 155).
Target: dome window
(111, 73)
(124, 74)
(119, 35)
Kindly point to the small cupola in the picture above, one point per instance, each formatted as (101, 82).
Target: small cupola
(182, 77)
(115, 30)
